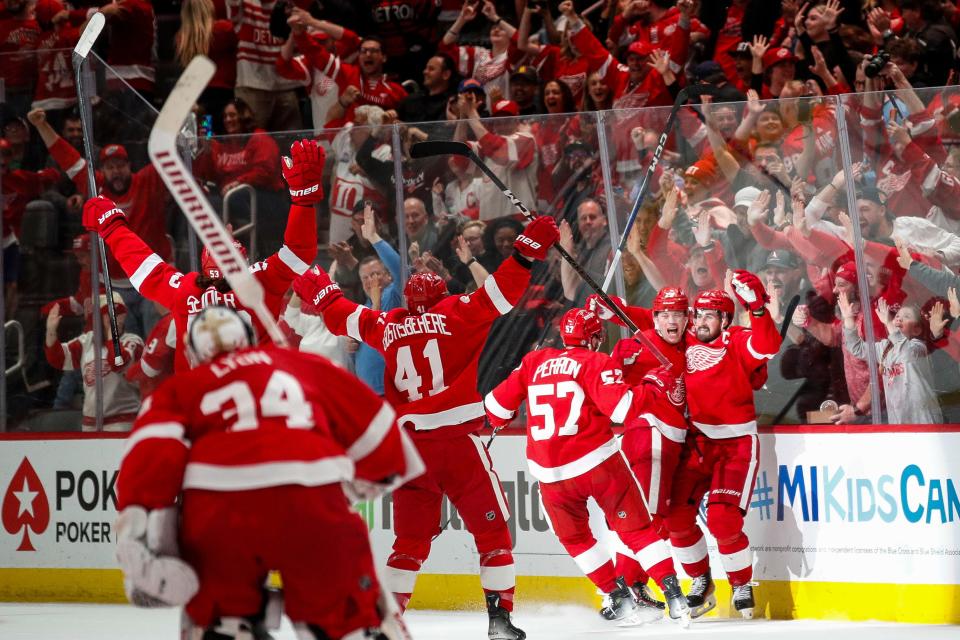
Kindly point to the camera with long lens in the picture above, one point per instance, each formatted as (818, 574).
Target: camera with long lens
(876, 63)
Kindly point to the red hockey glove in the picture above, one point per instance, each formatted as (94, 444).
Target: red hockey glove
(537, 238)
(316, 286)
(749, 290)
(668, 382)
(303, 171)
(103, 216)
(596, 304)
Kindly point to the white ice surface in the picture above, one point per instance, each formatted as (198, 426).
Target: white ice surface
(119, 622)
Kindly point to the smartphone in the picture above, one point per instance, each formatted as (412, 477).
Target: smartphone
(206, 126)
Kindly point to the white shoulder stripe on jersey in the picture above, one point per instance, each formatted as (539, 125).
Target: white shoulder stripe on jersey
(165, 430)
(146, 268)
(496, 296)
(755, 354)
(305, 473)
(374, 434)
(497, 409)
(292, 260)
(620, 412)
(76, 168)
(353, 324)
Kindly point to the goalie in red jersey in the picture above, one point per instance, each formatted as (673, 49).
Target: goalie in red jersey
(572, 395)
(432, 349)
(261, 444)
(185, 295)
(725, 364)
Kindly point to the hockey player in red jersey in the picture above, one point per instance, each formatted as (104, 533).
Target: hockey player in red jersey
(572, 395)
(261, 444)
(185, 295)
(431, 350)
(724, 366)
(652, 443)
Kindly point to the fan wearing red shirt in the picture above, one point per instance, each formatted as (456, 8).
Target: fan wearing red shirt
(19, 37)
(724, 366)
(432, 350)
(259, 447)
(185, 295)
(572, 395)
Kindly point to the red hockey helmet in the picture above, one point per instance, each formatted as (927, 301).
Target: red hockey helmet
(424, 290)
(579, 327)
(713, 299)
(671, 299)
(208, 266)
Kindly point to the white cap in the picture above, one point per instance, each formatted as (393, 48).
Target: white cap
(746, 196)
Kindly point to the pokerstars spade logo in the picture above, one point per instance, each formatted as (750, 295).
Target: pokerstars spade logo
(25, 505)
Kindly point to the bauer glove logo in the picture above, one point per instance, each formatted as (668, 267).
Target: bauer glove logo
(297, 193)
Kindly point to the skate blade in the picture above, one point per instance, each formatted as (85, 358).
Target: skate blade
(684, 620)
(641, 617)
(747, 613)
(709, 605)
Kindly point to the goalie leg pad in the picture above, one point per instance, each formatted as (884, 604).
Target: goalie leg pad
(150, 579)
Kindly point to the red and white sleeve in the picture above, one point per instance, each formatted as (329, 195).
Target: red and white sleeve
(502, 402)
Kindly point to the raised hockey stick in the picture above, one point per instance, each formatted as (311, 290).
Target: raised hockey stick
(162, 147)
(432, 148)
(89, 36)
(685, 94)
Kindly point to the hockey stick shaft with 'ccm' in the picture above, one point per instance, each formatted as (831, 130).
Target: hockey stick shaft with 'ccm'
(685, 94)
(433, 148)
(87, 39)
(191, 199)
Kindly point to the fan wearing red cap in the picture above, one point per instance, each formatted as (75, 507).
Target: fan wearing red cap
(724, 365)
(509, 149)
(578, 385)
(121, 398)
(432, 350)
(186, 294)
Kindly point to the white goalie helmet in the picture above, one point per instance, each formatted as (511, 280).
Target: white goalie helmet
(217, 330)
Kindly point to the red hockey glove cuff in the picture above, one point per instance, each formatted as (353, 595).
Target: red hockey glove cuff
(537, 238)
(303, 171)
(103, 216)
(749, 290)
(317, 287)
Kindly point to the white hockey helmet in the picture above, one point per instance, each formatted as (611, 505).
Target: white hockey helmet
(217, 330)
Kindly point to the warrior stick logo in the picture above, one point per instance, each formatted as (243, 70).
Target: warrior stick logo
(25, 505)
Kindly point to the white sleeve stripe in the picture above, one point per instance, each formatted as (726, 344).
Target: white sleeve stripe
(67, 357)
(497, 409)
(373, 435)
(353, 324)
(620, 412)
(512, 154)
(167, 430)
(292, 260)
(496, 296)
(145, 269)
(76, 168)
(753, 352)
(930, 182)
(148, 371)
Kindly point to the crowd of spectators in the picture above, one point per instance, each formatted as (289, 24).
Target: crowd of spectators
(566, 102)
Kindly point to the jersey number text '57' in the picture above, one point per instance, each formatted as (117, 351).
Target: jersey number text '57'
(554, 392)
(409, 381)
(283, 397)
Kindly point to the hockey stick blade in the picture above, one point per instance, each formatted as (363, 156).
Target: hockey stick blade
(432, 148)
(89, 36)
(162, 148)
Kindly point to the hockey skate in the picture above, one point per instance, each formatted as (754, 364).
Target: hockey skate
(700, 598)
(644, 594)
(501, 628)
(743, 600)
(679, 609)
(623, 607)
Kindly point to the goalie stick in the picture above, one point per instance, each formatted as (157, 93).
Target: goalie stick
(87, 39)
(432, 148)
(685, 94)
(162, 147)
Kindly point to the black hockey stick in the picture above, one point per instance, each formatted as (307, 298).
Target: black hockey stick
(80, 52)
(432, 148)
(788, 315)
(685, 94)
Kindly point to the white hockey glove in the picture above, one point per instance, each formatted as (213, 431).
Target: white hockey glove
(153, 575)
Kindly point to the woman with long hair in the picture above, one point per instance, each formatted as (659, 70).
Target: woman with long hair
(203, 33)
